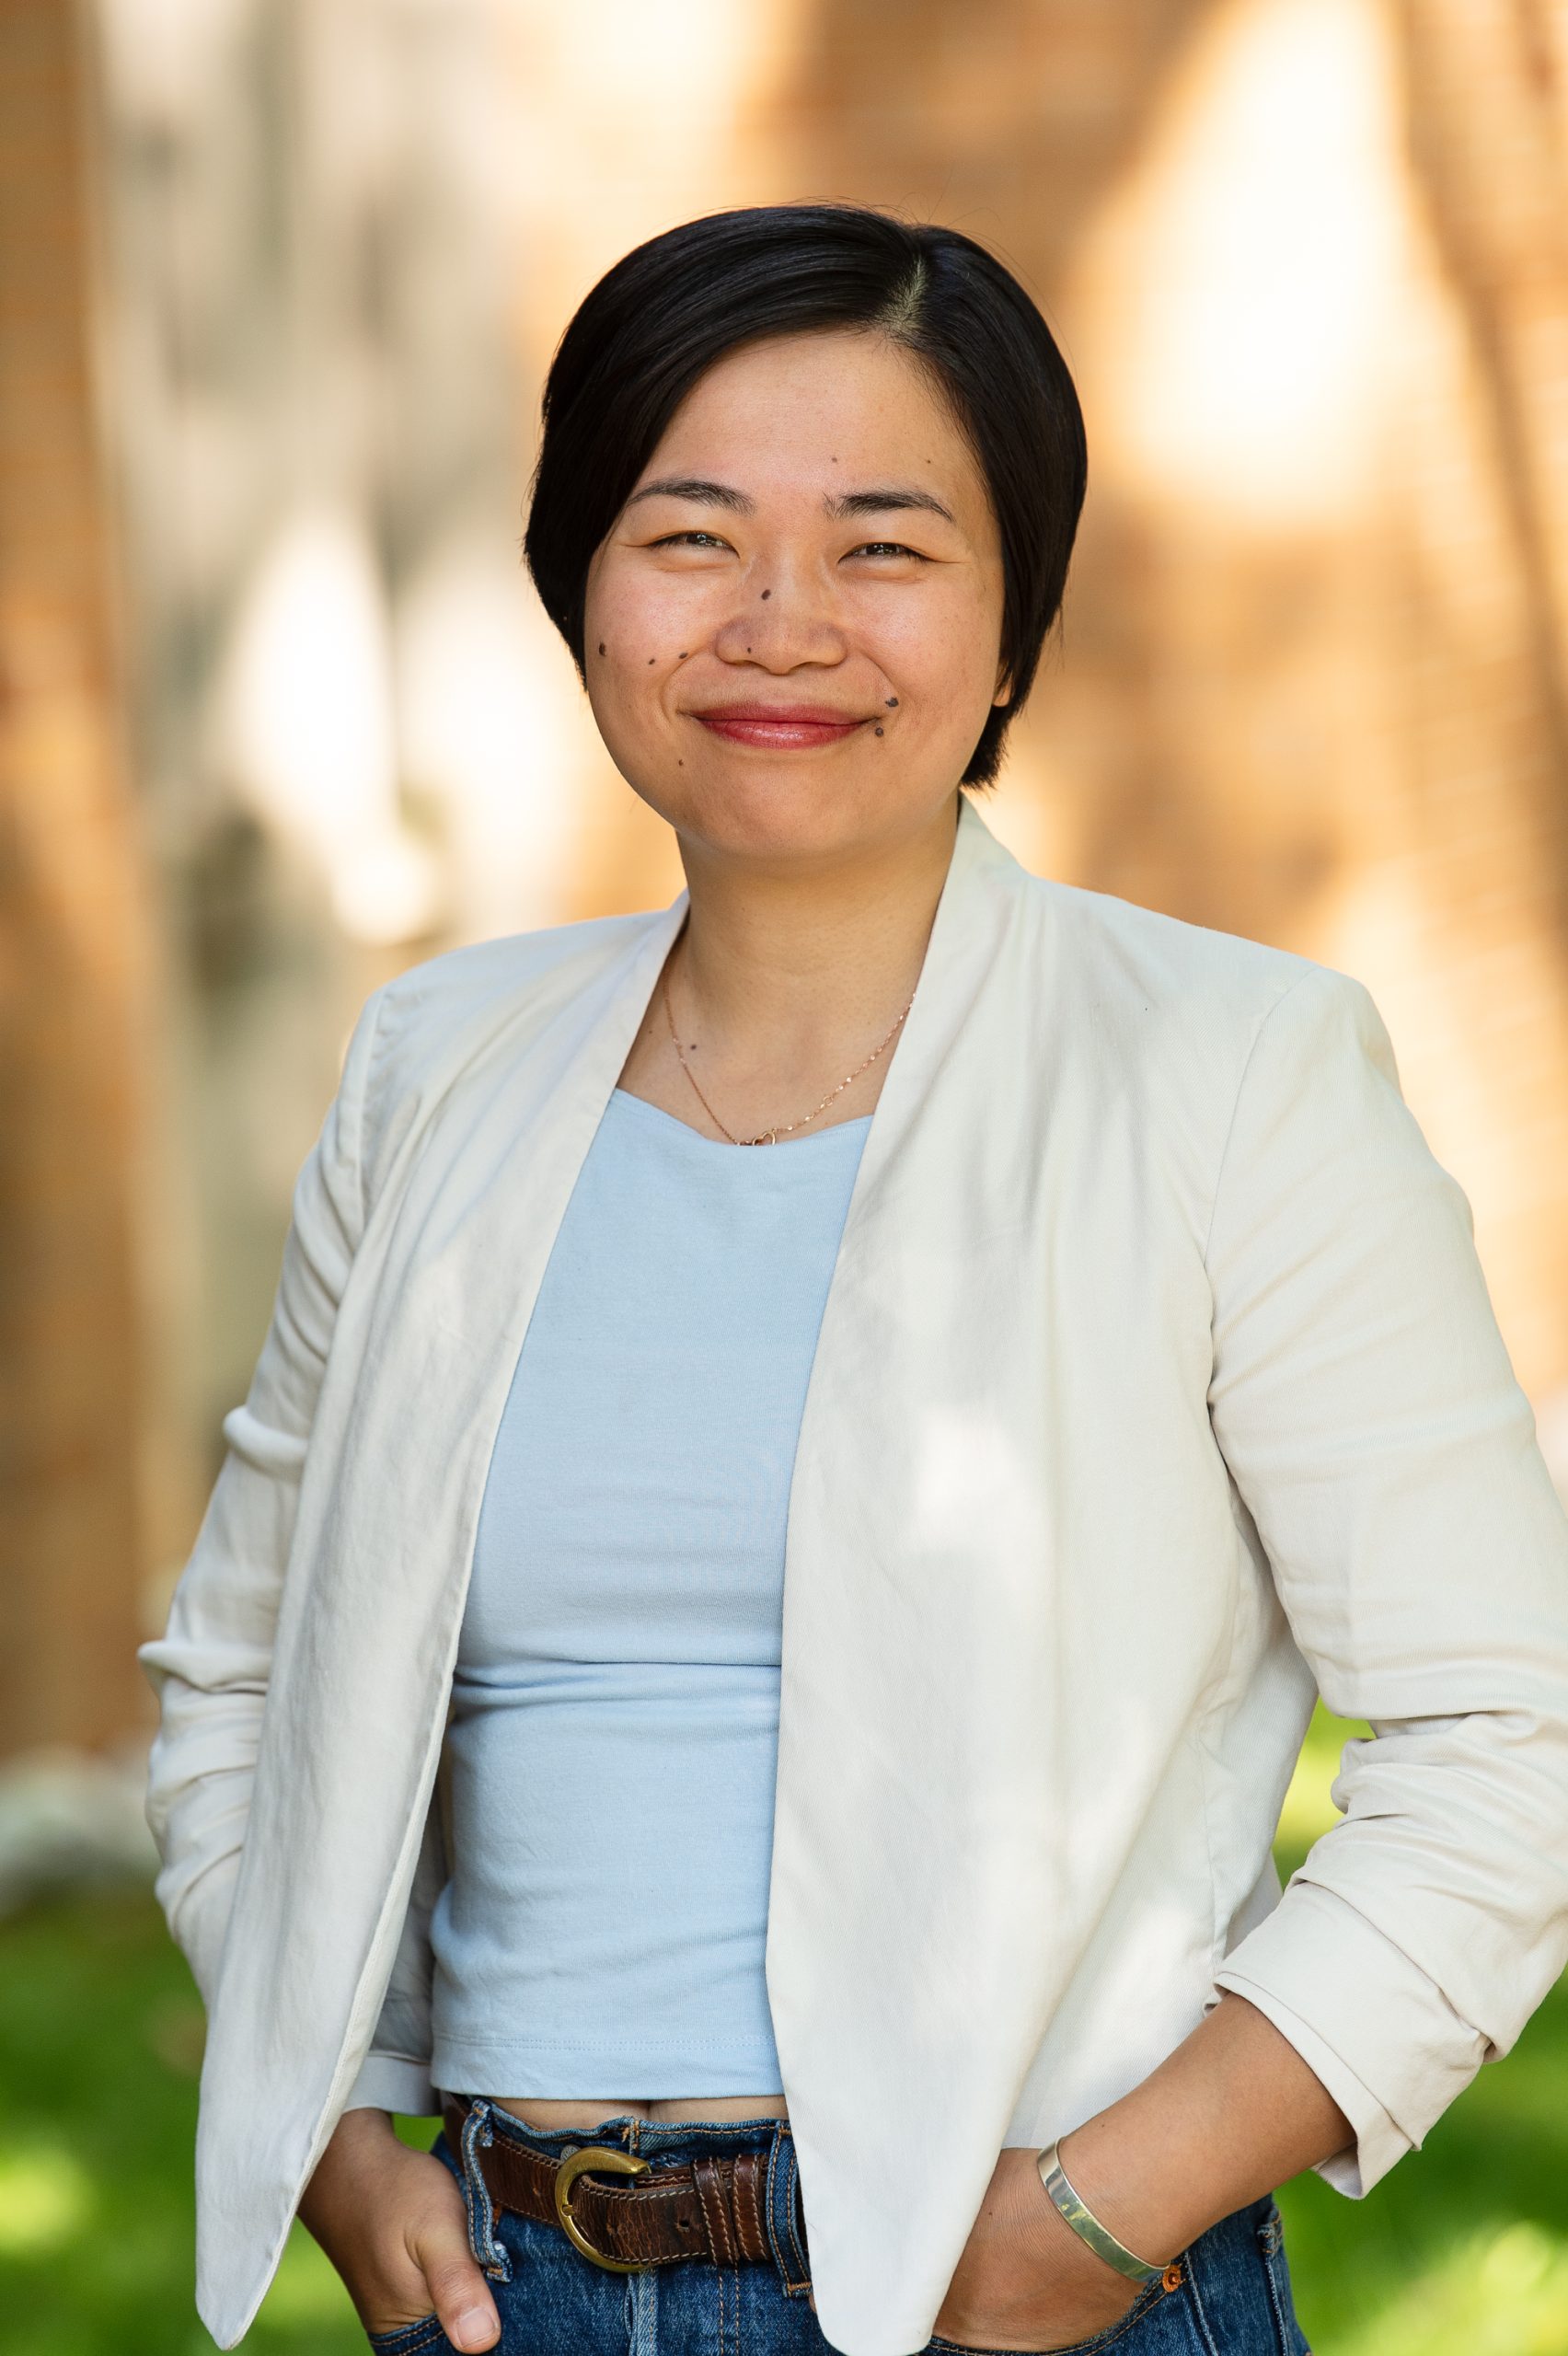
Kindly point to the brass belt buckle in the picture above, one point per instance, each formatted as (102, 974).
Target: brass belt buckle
(599, 2157)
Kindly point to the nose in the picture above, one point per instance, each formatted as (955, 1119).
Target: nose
(784, 618)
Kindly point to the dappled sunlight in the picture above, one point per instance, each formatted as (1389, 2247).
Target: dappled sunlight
(306, 724)
(46, 2198)
(1246, 281)
(492, 729)
(1502, 2291)
(631, 118)
(967, 1458)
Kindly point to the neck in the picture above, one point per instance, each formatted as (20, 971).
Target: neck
(773, 959)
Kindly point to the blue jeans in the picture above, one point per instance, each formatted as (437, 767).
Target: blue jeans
(1230, 2296)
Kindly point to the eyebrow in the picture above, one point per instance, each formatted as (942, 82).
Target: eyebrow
(708, 494)
(888, 497)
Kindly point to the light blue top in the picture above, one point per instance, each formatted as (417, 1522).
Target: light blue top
(616, 1702)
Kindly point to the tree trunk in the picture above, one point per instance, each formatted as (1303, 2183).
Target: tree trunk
(71, 934)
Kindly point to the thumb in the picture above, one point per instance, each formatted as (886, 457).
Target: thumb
(459, 2291)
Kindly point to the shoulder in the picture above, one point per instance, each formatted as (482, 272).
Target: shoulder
(1138, 958)
(1114, 969)
(1207, 1041)
(436, 1004)
(482, 975)
(417, 1035)
(1154, 987)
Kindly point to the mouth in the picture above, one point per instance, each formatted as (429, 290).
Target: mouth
(781, 728)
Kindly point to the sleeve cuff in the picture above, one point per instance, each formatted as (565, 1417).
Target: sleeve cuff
(1367, 2020)
(392, 2082)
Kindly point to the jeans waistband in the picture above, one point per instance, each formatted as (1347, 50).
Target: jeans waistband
(663, 2144)
(672, 2142)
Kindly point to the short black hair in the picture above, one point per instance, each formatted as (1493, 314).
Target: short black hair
(671, 308)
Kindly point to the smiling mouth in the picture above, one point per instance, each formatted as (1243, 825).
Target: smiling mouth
(782, 728)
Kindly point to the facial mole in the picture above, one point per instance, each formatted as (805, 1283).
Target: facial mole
(682, 655)
(766, 594)
(879, 732)
(893, 703)
(650, 662)
(601, 646)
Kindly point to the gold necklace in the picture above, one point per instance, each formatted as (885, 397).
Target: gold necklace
(767, 1137)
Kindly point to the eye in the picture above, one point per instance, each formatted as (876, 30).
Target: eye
(888, 548)
(689, 540)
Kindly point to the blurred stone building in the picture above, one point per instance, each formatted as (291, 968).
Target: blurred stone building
(1308, 260)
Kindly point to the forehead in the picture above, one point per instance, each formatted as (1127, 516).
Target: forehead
(822, 408)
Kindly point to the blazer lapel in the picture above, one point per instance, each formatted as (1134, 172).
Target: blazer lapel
(915, 1616)
(427, 1338)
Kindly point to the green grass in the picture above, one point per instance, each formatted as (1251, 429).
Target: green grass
(1461, 2251)
(100, 2045)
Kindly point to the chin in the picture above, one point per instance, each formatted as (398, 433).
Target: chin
(781, 816)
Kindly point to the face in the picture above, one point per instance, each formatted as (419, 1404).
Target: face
(793, 628)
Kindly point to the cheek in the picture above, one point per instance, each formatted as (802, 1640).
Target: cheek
(942, 654)
(638, 617)
(627, 652)
(614, 625)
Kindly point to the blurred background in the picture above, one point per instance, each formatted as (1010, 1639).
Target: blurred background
(278, 280)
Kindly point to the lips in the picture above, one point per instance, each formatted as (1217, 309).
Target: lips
(781, 728)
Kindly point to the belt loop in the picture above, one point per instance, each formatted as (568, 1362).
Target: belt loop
(478, 2135)
(783, 2236)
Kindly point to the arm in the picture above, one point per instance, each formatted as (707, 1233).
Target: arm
(1365, 1403)
(390, 2219)
(211, 1667)
(1232, 2113)
(1365, 1406)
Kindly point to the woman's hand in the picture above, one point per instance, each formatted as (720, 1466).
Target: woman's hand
(392, 2222)
(1025, 2280)
(1225, 2119)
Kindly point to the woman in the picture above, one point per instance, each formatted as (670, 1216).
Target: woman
(870, 1936)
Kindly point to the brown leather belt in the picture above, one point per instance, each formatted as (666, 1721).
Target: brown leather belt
(715, 2209)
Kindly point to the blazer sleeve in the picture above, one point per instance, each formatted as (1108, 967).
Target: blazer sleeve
(1365, 1405)
(210, 1669)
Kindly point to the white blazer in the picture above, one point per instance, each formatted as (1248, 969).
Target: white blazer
(1158, 1388)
